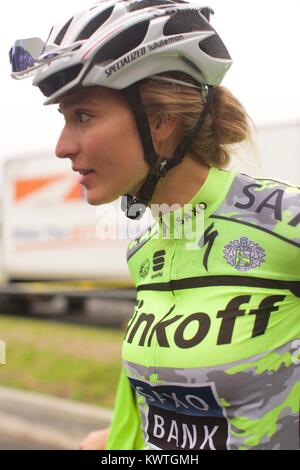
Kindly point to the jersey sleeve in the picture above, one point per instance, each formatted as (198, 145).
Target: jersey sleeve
(125, 431)
(270, 209)
(293, 227)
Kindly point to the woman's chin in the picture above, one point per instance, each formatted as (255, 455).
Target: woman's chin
(99, 199)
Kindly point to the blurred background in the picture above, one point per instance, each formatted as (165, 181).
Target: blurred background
(66, 294)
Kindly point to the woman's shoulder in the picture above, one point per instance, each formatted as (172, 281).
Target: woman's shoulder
(268, 204)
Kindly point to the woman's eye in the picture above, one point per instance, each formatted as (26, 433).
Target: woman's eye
(83, 117)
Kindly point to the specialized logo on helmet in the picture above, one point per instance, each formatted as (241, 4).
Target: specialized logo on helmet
(244, 254)
(144, 269)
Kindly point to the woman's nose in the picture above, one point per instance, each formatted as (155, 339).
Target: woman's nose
(67, 145)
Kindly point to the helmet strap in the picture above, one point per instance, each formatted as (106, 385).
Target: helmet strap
(135, 207)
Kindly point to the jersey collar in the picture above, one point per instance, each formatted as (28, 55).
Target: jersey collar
(178, 223)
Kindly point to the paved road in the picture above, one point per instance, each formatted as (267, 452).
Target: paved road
(7, 443)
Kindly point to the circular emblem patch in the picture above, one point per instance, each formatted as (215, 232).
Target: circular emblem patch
(144, 269)
(244, 254)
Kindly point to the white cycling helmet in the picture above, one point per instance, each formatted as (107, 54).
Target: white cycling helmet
(116, 44)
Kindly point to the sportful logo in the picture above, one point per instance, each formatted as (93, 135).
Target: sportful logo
(158, 263)
(244, 254)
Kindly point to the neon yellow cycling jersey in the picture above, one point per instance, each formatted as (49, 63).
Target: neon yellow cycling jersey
(211, 355)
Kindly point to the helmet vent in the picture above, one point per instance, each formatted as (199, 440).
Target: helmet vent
(95, 24)
(186, 21)
(62, 32)
(125, 42)
(214, 47)
(55, 82)
(140, 4)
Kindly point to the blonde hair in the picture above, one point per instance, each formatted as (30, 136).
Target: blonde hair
(226, 125)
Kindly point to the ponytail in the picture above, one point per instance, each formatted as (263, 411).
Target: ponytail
(226, 125)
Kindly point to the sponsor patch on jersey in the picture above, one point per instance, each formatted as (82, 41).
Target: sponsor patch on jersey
(144, 269)
(158, 263)
(264, 204)
(182, 417)
(244, 254)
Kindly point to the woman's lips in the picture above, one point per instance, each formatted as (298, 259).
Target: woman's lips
(85, 176)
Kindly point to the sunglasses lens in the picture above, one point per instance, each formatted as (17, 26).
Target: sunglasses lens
(24, 54)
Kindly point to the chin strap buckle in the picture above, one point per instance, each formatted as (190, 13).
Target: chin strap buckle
(133, 207)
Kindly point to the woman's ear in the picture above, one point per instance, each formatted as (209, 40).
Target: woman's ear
(162, 127)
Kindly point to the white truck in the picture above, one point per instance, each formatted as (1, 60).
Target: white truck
(51, 233)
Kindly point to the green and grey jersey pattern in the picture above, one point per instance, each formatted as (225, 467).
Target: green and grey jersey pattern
(211, 356)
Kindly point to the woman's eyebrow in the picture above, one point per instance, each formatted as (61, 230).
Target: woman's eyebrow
(76, 102)
(69, 104)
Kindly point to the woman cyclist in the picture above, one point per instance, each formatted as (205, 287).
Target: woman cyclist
(211, 354)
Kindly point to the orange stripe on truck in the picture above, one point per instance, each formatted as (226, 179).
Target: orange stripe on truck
(25, 187)
(75, 193)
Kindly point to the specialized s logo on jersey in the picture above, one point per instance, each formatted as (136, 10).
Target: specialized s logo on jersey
(244, 254)
(181, 417)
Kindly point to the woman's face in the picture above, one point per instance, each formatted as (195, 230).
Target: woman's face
(100, 137)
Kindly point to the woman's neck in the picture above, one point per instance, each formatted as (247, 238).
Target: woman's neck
(179, 185)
